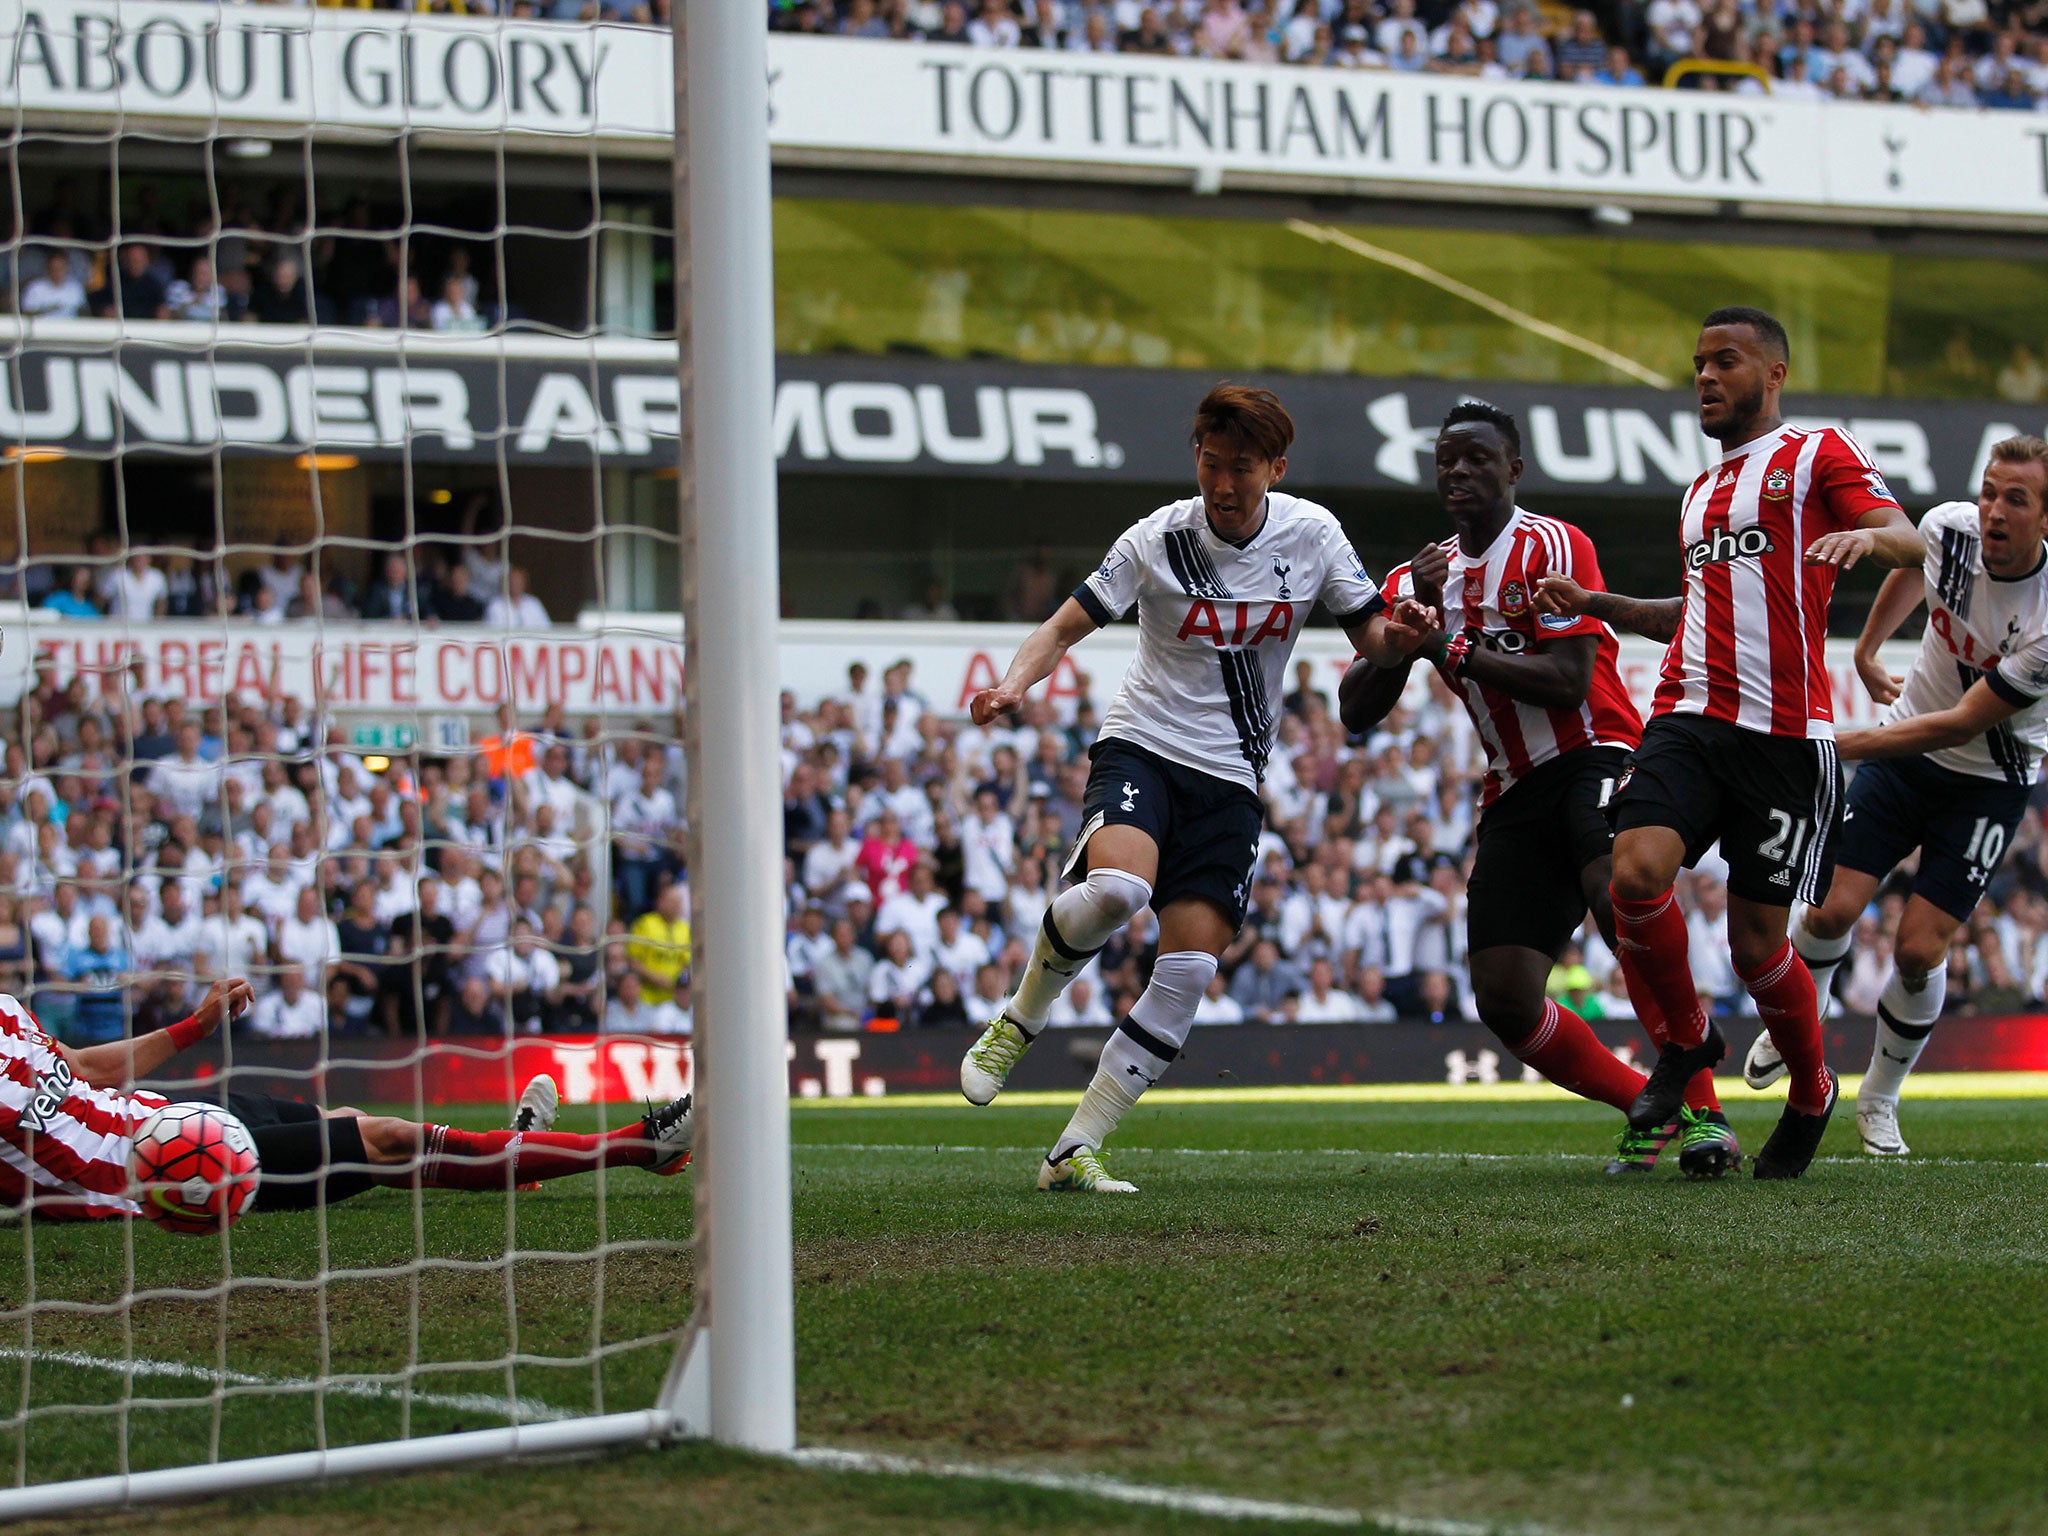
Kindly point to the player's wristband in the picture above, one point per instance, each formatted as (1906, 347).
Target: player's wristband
(1456, 651)
(186, 1032)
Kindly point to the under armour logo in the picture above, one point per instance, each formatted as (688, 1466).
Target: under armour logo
(1405, 442)
(1131, 793)
(1134, 1070)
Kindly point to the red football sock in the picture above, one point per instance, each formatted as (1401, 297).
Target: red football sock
(1565, 1050)
(453, 1159)
(1783, 989)
(1651, 944)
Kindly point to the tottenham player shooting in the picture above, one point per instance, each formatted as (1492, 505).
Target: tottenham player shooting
(1222, 583)
(1955, 757)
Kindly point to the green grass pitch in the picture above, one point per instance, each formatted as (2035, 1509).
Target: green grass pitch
(1387, 1303)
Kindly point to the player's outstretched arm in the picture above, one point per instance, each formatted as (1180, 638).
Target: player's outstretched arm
(1899, 596)
(119, 1063)
(1391, 636)
(1977, 711)
(1654, 618)
(1369, 693)
(1883, 536)
(1034, 661)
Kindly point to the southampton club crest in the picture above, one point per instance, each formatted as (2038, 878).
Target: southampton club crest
(1514, 600)
(1778, 485)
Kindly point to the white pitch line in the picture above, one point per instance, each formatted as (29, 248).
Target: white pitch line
(1187, 1501)
(521, 1410)
(1417, 1157)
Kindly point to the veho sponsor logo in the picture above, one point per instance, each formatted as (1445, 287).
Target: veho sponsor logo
(862, 422)
(1726, 544)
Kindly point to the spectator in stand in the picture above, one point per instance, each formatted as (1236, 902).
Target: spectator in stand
(1521, 48)
(475, 1011)
(456, 309)
(515, 607)
(199, 296)
(132, 290)
(73, 600)
(452, 602)
(896, 980)
(659, 953)
(138, 588)
(56, 294)
(293, 1012)
(995, 26)
(647, 834)
(98, 973)
(841, 980)
(392, 595)
(886, 857)
(631, 1013)
(1582, 52)
(1618, 70)
(283, 298)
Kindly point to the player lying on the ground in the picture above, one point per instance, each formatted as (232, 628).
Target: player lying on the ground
(1957, 752)
(1557, 723)
(67, 1116)
(1222, 582)
(1740, 747)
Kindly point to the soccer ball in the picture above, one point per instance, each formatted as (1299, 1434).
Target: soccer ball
(193, 1168)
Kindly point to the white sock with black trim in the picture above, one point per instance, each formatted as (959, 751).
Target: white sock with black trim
(1821, 955)
(1077, 924)
(1905, 1018)
(1143, 1047)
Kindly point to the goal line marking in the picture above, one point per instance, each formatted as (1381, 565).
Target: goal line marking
(1189, 1501)
(520, 1410)
(1410, 1157)
(1930, 1085)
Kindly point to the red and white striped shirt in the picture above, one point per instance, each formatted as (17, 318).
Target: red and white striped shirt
(1491, 594)
(68, 1140)
(1751, 645)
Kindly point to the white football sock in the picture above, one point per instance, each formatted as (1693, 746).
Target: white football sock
(1077, 924)
(1821, 956)
(1905, 1019)
(1143, 1047)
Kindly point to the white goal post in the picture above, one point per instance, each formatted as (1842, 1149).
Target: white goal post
(732, 1376)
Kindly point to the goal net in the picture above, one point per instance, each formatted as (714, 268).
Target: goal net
(342, 652)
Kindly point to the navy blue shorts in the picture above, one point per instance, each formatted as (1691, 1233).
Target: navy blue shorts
(1207, 828)
(1961, 824)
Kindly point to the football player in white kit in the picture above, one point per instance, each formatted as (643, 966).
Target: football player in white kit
(1222, 583)
(1955, 756)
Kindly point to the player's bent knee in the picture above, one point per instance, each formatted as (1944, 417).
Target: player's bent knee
(386, 1140)
(1512, 1016)
(1118, 895)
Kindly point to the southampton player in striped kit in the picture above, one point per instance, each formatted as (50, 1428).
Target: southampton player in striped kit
(1222, 583)
(1958, 749)
(68, 1116)
(1740, 745)
(1557, 724)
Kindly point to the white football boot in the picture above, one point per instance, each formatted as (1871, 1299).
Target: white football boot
(1081, 1170)
(538, 1104)
(673, 1130)
(1877, 1122)
(1763, 1065)
(988, 1061)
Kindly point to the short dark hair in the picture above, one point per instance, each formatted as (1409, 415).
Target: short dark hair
(1484, 410)
(1765, 324)
(1254, 415)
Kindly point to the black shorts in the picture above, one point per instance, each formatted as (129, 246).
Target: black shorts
(304, 1159)
(1774, 803)
(1961, 824)
(1207, 828)
(1535, 842)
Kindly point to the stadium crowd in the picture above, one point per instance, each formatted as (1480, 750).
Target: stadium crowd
(538, 881)
(1945, 53)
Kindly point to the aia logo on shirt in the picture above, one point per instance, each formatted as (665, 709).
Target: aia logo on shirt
(1726, 544)
(1778, 485)
(1230, 624)
(1514, 600)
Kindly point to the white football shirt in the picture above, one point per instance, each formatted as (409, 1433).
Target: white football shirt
(1980, 625)
(1216, 625)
